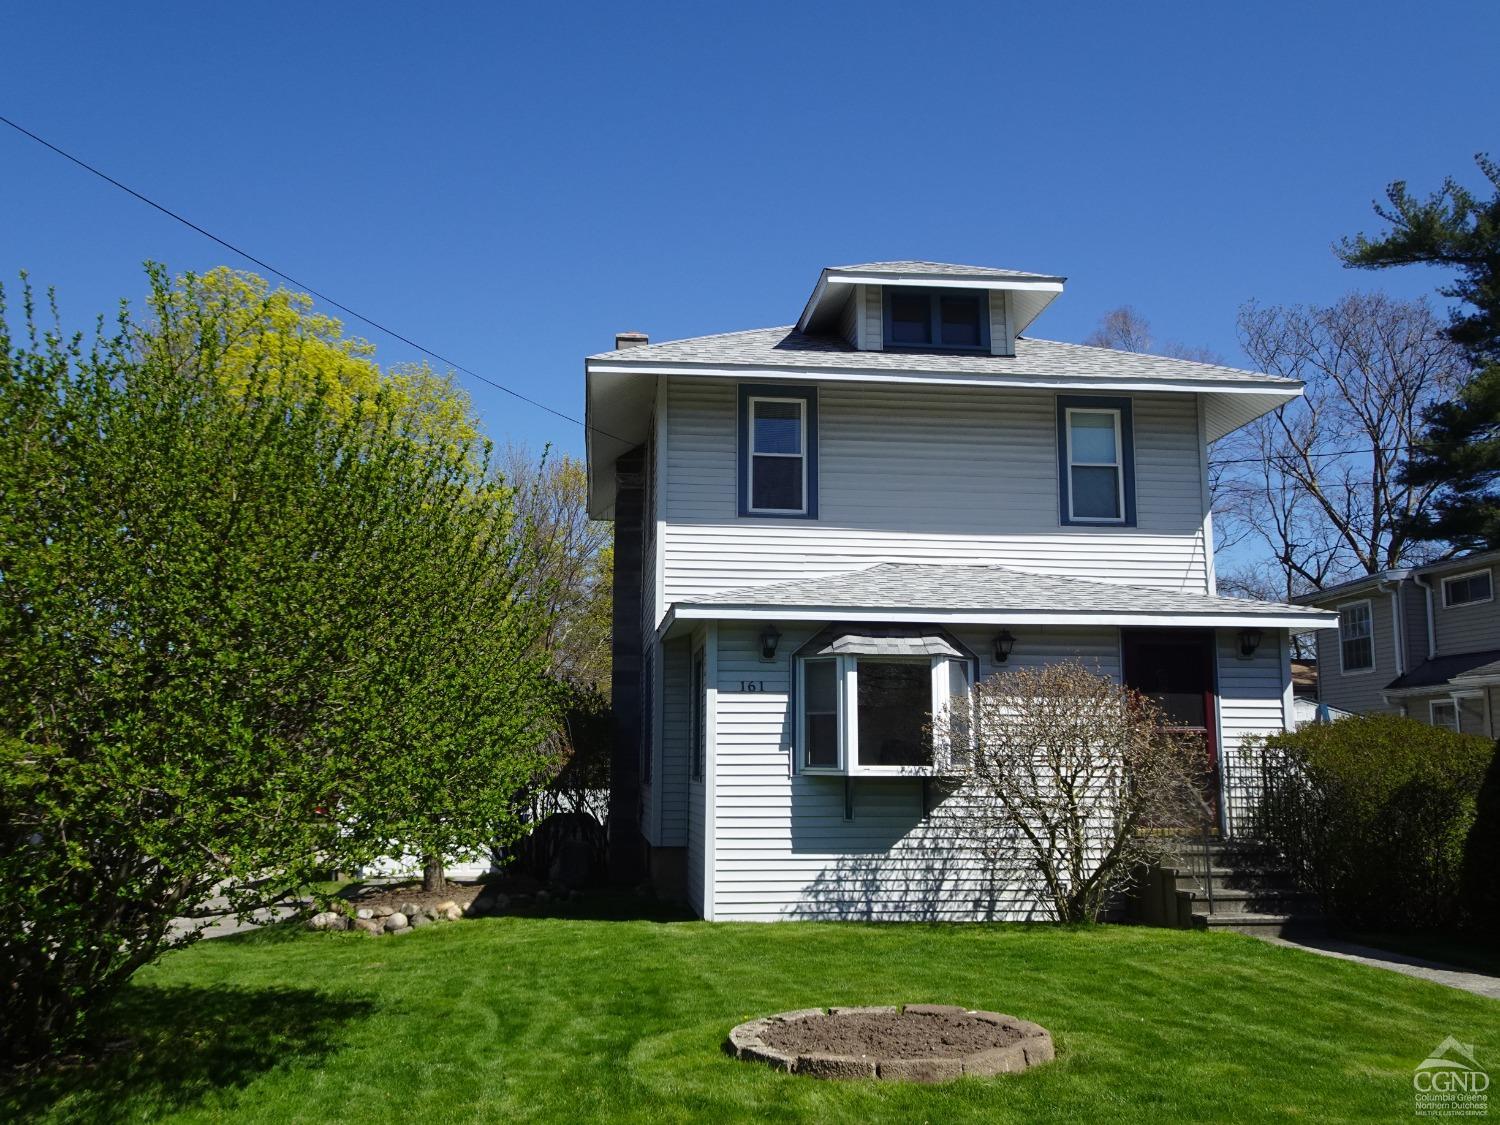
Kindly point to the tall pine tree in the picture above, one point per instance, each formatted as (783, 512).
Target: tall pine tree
(1460, 450)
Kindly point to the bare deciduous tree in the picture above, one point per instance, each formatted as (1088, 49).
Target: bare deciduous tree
(1317, 483)
(1125, 330)
(1071, 771)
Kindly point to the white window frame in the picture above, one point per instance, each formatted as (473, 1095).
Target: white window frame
(1370, 615)
(1468, 574)
(800, 755)
(1432, 719)
(1458, 698)
(752, 454)
(1118, 464)
(846, 669)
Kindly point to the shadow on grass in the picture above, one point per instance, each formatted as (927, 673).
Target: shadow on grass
(607, 905)
(164, 1049)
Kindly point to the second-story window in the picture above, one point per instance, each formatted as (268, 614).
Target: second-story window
(946, 319)
(778, 452)
(1095, 460)
(1467, 589)
(1356, 637)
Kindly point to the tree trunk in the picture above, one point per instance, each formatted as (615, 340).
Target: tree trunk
(432, 874)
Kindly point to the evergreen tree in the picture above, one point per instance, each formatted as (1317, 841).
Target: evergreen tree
(1460, 450)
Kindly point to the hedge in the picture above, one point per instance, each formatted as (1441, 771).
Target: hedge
(1377, 814)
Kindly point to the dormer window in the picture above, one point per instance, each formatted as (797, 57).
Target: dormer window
(937, 319)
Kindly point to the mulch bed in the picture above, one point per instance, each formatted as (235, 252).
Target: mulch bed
(892, 1035)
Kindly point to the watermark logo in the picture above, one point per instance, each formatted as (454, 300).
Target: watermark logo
(1450, 1082)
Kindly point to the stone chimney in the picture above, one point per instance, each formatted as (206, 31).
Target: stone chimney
(625, 340)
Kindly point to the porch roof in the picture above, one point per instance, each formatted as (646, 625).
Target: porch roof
(1456, 670)
(990, 595)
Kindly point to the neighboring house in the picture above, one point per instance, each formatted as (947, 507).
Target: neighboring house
(825, 531)
(1422, 641)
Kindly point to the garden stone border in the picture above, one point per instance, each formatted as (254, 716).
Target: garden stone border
(1033, 1048)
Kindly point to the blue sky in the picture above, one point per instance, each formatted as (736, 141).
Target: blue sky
(512, 184)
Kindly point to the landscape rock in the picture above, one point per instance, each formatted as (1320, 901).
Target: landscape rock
(445, 907)
(327, 920)
(364, 912)
(368, 925)
(382, 911)
(395, 921)
(453, 912)
(420, 920)
(409, 908)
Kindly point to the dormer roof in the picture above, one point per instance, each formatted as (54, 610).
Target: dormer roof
(1030, 293)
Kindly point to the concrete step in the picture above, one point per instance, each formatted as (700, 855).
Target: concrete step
(1231, 878)
(1261, 925)
(1238, 901)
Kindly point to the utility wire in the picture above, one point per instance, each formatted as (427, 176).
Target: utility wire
(1286, 456)
(303, 286)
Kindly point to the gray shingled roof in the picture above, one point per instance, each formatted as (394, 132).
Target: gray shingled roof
(1438, 671)
(1042, 359)
(943, 269)
(990, 589)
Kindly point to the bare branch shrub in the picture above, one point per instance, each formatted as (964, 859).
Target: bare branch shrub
(1074, 776)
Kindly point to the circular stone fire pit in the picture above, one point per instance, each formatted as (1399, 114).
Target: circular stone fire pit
(913, 1043)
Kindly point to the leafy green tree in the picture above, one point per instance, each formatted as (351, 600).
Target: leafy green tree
(1460, 450)
(249, 629)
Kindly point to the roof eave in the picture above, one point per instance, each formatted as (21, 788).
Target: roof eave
(750, 611)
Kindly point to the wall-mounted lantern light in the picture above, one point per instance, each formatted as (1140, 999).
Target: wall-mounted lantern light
(1004, 642)
(770, 637)
(1249, 642)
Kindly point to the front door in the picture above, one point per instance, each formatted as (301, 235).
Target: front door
(1174, 668)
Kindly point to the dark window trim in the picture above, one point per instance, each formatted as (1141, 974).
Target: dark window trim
(809, 395)
(936, 320)
(1127, 455)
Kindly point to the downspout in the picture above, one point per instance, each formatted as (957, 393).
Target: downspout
(1398, 640)
(1431, 623)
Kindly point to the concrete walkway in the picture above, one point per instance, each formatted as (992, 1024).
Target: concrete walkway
(1435, 971)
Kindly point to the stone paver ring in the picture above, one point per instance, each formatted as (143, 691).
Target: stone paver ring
(911, 1043)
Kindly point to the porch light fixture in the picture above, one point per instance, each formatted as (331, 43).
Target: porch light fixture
(770, 636)
(1004, 642)
(1249, 642)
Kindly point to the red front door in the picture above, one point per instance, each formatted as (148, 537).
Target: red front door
(1175, 669)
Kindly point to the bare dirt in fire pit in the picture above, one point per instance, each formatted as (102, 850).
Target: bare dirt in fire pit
(891, 1035)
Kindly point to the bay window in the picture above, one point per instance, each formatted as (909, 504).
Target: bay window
(865, 705)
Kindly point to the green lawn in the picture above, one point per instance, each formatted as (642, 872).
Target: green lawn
(564, 1019)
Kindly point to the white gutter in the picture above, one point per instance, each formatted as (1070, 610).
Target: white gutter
(1431, 624)
(710, 611)
(1398, 638)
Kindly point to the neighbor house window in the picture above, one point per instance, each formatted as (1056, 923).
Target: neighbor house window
(945, 319)
(1444, 713)
(697, 705)
(1466, 589)
(1095, 460)
(862, 714)
(1356, 637)
(778, 452)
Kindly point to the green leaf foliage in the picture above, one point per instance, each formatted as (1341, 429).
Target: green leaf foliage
(1458, 230)
(1375, 813)
(249, 630)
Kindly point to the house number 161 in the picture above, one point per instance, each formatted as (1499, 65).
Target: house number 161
(752, 685)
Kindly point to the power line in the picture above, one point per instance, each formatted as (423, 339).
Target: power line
(303, 286)
(1284, 456)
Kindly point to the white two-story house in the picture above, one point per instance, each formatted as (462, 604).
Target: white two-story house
(826, 530)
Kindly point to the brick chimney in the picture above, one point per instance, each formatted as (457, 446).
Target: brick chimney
(625, 340)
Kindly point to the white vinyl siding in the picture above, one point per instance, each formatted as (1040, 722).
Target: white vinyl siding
(783, 848)
(1254, 701)
(928, 475)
